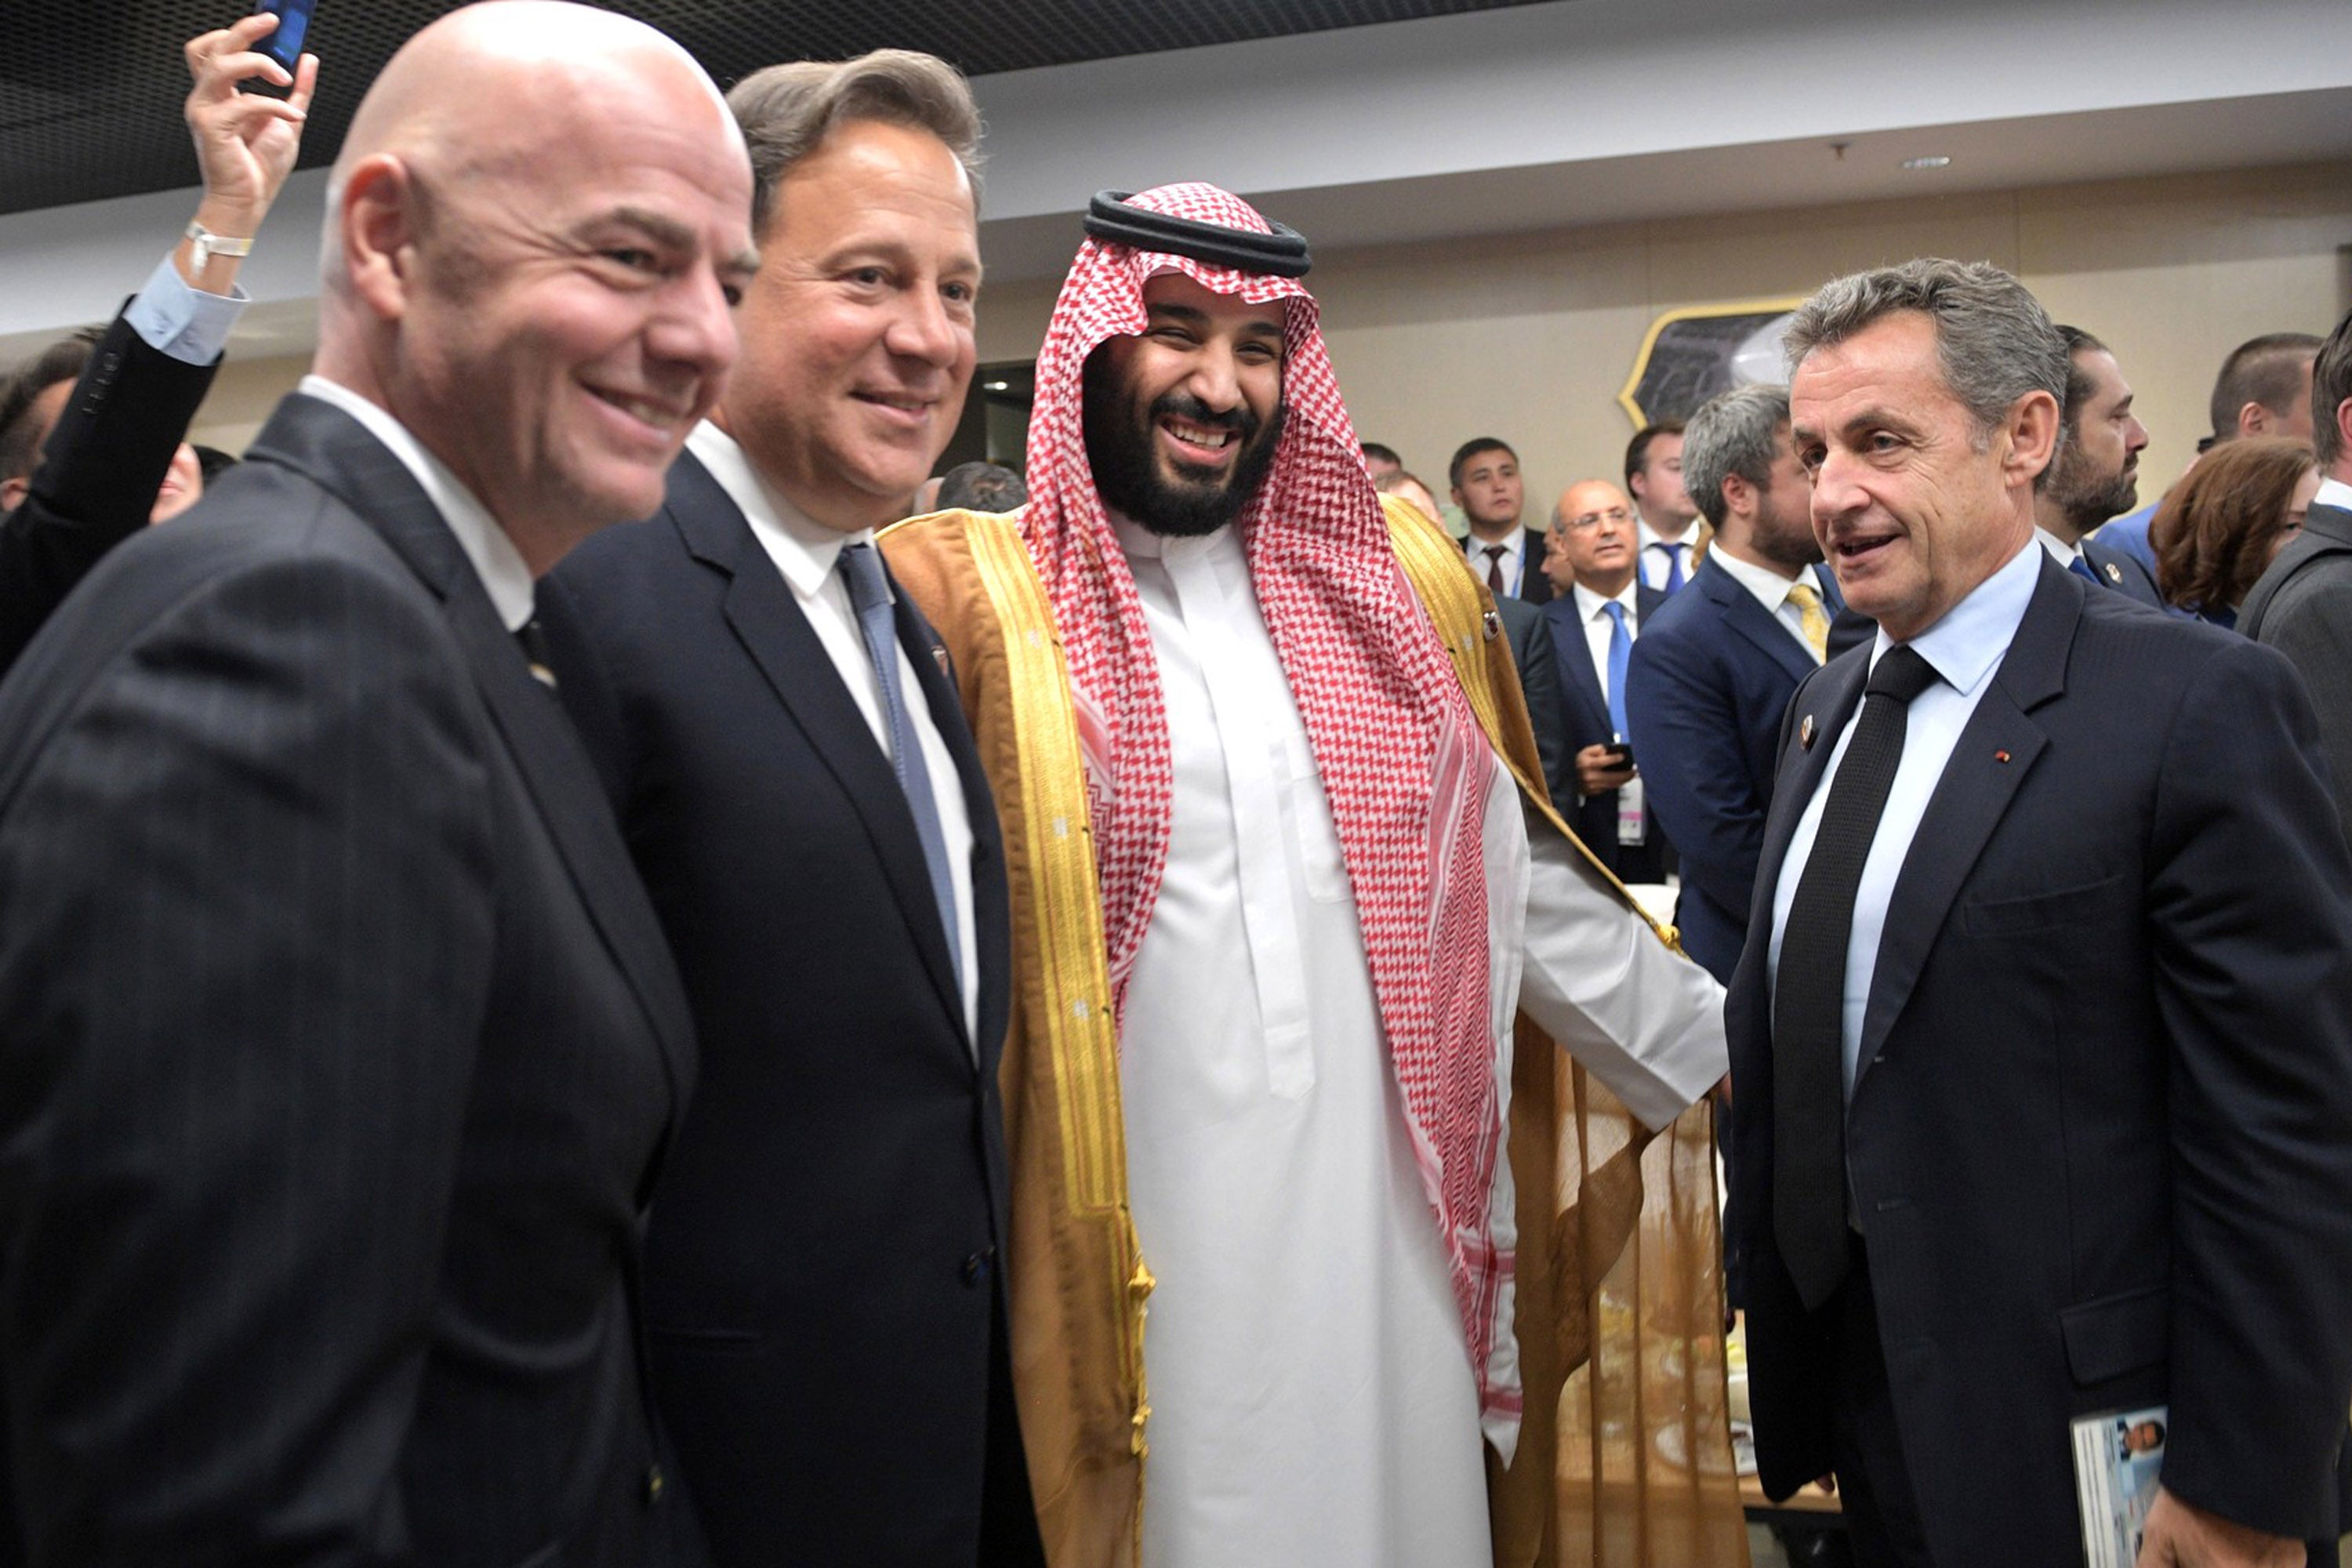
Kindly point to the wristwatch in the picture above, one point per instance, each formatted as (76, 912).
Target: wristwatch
(207, 245)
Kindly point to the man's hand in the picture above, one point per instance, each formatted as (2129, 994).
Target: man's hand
(246, 141)
(1598, 772)
(2179, 1533)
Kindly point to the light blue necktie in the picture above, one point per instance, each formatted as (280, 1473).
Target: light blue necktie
(1621, 654)
(1673, 566)
(870, 595)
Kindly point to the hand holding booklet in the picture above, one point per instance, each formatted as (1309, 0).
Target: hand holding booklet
(2119, 1457)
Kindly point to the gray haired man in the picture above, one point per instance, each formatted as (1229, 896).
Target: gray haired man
(2043, 1033)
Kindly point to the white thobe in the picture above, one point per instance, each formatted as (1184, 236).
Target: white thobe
(1313, 1403)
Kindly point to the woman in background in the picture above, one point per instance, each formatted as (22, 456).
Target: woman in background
(2222, 522)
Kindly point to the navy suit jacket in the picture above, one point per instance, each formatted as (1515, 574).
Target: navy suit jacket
(2096, 1144)
(1586, 707)
(822, 1278)
(1710, 678)
(2121, 569)
(338, 1049)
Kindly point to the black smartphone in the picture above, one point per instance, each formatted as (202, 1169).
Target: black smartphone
(1622, 755)
(285, 44)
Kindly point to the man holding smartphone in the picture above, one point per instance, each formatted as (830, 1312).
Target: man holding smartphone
(1598, 605)
(91, 446)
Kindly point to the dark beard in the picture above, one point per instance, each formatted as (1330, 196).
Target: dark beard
(1119, 448)
(2088, 501)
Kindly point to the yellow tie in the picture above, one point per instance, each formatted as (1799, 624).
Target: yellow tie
(1809, 613)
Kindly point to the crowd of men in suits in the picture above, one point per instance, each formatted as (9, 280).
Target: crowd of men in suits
(504, 947)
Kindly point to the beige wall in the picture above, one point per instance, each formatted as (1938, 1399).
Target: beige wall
(1530, 338)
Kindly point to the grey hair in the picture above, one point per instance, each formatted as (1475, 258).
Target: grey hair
(1994, 342)
(786, 112)
(1737, 432)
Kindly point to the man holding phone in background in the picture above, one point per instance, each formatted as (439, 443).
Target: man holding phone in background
(1597, 609)
(85, 463)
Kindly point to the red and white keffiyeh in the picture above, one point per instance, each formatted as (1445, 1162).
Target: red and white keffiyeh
(1402, 759)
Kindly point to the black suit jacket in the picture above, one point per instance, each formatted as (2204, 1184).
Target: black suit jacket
(338, 1047)
(1586, 707)
(1709, 680)
(2097, 1142)
(105, 459)
(2302, 605)
(1531, 651)
(822, 1254)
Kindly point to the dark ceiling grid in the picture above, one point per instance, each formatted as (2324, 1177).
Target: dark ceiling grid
(90, 90)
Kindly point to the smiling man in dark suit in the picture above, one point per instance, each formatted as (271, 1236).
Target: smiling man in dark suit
(1598, 608)
(2042, 1035)
(340, 1043)
(781, 736)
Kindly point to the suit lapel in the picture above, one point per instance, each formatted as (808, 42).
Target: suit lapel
(1818, 713)
(1753, 622)
(766, 619)
(335, 450)
(1995, 752)
(1575, 657)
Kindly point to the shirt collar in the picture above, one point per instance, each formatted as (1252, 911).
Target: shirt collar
(1771, 589)
(1968, 641)
(805, 552)
(1587, 603)
(495, 559)
(2334, 492)
(1139, 542)
(1650, 536)
(2061, 552)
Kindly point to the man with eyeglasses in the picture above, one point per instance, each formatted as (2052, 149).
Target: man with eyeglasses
(1597, 609)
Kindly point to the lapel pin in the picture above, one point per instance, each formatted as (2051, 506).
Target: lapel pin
(1805, 734)
(940, 658)
(2115, 572)
(2001, 756)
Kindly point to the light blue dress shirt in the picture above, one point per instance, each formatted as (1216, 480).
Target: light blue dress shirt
(1963, 648)
(185, 322)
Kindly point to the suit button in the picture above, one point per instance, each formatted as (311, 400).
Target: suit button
(655, 1484)
(977, 1268)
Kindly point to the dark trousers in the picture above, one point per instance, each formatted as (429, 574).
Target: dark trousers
(1008, 1515)
(1882, 1515)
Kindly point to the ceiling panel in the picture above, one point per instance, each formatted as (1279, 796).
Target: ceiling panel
(89, 93)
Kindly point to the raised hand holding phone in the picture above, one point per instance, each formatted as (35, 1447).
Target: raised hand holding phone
(246, 143)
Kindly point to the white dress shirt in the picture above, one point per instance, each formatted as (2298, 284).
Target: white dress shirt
(1655, 566)
(1770, 589)
(1312, 1403)
(1513, 561)
(2057, 549)
(2333, 492)
(495, 559)
(807, 553)
(1592, 612)
(1963, 649)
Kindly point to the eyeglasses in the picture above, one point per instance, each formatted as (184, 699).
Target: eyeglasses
(1587, 522)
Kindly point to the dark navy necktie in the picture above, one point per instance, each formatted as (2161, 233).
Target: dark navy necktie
(870, 595)
(1808, 1186)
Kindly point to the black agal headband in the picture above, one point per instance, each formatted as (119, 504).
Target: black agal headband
(1282, 254)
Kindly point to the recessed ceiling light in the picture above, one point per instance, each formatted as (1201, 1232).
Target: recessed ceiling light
(1938, 162)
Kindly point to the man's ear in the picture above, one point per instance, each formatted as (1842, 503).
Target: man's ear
(13, 493)
(1738, 496)
(2253, 419)
(2031, 438)
(376, 223)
